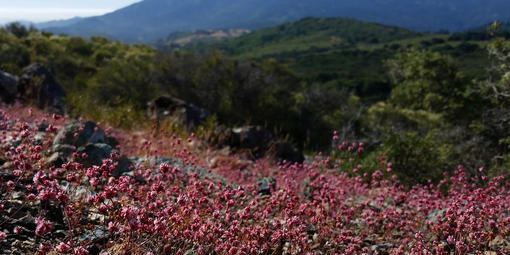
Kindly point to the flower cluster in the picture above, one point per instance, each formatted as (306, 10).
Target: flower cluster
(170, 208)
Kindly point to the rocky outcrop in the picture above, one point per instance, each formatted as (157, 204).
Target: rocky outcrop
(8, 87)
(251, 137)
(79, 133)
(257, 141)
(39, 87)
(254, 138)
(185, 113)
(97, 152)
(89, 139)
(148, 162)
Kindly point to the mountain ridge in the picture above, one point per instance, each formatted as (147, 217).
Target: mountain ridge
(149, 20)
(58, 23)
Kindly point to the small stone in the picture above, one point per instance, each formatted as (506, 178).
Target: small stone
(265, 185)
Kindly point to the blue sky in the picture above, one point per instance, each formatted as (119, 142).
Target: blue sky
(44, 10)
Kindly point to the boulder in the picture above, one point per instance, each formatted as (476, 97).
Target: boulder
(258, 141)
(39, 87)
(79, 133)
(96, 152)
(287, 152)
(112, 141)
(90, 139)
(65, 150)
(254, 138)
(59, 154)
(164, 107)
(8, 87)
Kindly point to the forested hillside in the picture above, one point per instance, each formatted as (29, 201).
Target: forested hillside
(349, 53)
(150, 20)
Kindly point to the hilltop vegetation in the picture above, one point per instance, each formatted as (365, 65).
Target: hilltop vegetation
(351, 54)
(316, 33)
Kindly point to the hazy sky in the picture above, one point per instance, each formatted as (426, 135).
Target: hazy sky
(44, 10)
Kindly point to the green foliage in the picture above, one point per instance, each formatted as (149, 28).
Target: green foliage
(385, 117)
(104, 79)
(498, 85)
(426, 80)
(416, 159)
(315, 34)
(13, 54)
(347, 53)
(17, 29)
(237, 93)
(500, 166)
(496, 91)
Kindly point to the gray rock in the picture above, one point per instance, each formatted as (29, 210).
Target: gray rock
(65, 150)
(381, 248)
(137, 178)
(56, 159)
(97, 152)
(164, 107)
(9, 140)
(6, 124)
(78, 193)
(124, 165)
(266, 185)
(251, 137)
(39, 87)
(95, 239)
(39, 138)
(156, 161)
(258, 141)
(435, 215)
(148, 162)
(112, 141)
(7, 176)
(91, 133)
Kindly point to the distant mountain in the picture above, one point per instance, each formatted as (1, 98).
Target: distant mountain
(58, 23)
(149, 20)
